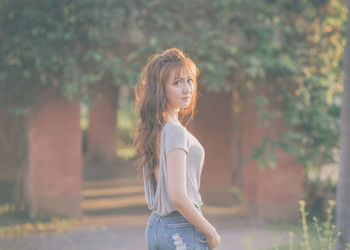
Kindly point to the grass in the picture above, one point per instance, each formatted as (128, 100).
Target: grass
(126, 125)
(126, 153)
(308, 234)
(20, 224)
(127, 121)
(296, 239)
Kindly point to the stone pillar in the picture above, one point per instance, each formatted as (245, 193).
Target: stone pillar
(212, 126)
(54, 176)
(102, 131)
(269, 193)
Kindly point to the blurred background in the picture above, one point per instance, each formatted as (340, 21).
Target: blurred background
(268, 117)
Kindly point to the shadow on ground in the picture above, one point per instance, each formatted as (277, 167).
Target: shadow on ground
(115, 215)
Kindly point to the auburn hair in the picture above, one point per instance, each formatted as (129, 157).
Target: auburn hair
(151, 103)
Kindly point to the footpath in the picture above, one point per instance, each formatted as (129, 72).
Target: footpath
(115, 215)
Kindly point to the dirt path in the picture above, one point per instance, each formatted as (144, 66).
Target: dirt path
(115, 215)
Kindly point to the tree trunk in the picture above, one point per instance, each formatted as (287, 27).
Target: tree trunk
(343, 194)
(13, 154)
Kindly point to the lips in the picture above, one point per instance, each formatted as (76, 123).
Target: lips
(186, 99)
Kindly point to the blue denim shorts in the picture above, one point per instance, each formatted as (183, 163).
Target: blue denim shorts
(173, 232)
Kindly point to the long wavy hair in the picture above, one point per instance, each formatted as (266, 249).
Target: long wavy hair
(151, 103)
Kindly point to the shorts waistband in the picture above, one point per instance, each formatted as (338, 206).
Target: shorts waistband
(173, 214)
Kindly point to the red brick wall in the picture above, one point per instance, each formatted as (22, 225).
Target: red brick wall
(54, 175)
(212, 126)
(269, 193)
(102, 131)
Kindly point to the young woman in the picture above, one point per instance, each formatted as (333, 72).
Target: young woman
(171, 158)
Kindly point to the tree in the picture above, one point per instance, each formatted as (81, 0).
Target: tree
(59, 45)
(343, 194)
(291, 49)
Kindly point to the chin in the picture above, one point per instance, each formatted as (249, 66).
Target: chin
(183, 106)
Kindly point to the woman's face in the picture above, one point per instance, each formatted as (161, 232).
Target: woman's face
(179, 89)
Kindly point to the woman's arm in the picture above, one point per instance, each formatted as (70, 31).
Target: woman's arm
(176, 168)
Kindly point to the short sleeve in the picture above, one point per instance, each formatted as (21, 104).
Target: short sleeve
(175, 138)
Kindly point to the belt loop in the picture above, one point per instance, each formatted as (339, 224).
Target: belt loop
(158, 217)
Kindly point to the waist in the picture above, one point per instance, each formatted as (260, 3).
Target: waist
(173, 214)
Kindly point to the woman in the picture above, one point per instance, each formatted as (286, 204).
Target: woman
(171, 158)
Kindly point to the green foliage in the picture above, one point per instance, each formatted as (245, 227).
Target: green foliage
(266, 153)
(292, 50)
(319, 187)
(312, 108)
(59, 44)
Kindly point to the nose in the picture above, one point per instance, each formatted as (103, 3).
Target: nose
(187, 88)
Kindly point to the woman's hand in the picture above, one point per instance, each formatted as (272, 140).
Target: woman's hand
(213, 239)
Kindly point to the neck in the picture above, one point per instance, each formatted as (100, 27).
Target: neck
(173, 115)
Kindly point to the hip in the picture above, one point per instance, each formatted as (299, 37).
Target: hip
(173, 231)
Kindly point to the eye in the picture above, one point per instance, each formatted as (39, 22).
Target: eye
(190, 80)
(177, 82)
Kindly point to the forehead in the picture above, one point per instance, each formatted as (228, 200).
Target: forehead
(179, 72)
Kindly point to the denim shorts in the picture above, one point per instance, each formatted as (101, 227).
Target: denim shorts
(173, 232)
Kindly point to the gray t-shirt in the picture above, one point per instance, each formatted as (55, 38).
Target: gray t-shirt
(175, 136)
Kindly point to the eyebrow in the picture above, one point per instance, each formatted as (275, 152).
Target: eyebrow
(183, 78)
